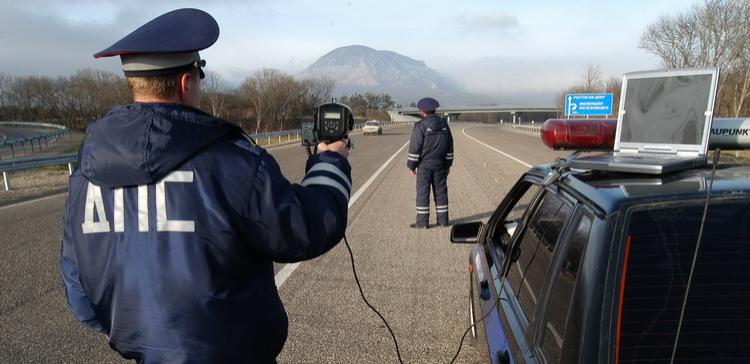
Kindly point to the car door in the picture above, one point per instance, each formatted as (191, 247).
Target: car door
(524, 274)
(560, 324)
(486, 261)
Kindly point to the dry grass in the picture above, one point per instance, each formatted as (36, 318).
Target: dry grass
(732, 156)
(33, 183)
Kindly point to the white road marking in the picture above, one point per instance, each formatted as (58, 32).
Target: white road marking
(496, 150)
(285, 272)
(32, 201)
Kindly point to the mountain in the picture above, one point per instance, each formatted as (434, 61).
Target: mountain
(360, 69)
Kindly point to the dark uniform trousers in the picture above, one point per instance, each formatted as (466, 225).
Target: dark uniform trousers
(438, 180)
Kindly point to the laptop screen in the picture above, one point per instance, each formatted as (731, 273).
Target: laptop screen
(668, 109)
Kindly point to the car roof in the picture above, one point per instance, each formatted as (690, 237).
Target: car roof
(610, 190)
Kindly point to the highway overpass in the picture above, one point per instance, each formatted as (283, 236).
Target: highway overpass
(514, 114)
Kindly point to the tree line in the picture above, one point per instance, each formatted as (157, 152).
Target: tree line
(266, 100)
(715, 33)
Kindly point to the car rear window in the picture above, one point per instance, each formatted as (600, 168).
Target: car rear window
(715, 325)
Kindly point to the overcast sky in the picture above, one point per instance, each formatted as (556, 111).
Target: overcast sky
(488, 46)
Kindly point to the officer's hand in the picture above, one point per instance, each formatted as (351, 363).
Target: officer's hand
(337, 146)
(413, 172)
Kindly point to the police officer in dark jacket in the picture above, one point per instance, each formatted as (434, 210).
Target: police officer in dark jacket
(430, 159)
(174, 217)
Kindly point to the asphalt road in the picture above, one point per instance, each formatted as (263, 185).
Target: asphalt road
(415, 278)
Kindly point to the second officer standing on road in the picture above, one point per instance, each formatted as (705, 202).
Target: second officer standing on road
(430, 160)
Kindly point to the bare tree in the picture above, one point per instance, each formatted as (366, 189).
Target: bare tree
(318, 90)
(286, 99)
(592, 78)
(6, 82)
(89, 94)
(214, 93)
(613, 85)
(591, 82)
(255, 89)
(714, 33)
(710, 34)
(275, 98)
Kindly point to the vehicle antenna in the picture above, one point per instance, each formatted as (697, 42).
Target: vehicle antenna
(717, 152)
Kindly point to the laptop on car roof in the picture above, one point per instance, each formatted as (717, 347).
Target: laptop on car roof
(663, 123)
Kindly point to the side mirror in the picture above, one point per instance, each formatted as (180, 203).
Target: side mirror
(467, 233)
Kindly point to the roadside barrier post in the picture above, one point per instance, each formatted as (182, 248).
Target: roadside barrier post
(5, 181)
(70, 169)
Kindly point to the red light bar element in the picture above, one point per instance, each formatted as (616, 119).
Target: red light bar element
(622, 300)
(579, 134)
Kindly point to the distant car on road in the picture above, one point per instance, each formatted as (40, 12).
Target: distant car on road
(372, 127)
(580, 266)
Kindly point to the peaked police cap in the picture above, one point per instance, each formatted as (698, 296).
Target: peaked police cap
(427, 104)
(166, 44)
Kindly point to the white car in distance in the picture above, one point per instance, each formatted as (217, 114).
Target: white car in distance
(372, 127)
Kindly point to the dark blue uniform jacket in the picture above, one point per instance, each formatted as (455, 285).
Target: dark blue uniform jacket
(171, 225)
(431, 145)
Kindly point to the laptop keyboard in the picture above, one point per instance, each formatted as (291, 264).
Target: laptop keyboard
(649, 157)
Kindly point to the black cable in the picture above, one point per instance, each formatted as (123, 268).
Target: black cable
(393, 336)
(356, 279)
(461, 343)
(717, 153)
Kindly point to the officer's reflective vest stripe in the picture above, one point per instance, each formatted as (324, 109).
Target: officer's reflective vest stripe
(327, 174)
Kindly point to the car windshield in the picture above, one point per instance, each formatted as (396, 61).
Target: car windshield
(372, 123)
(711, 325)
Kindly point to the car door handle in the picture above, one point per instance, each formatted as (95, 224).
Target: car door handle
(484, 290)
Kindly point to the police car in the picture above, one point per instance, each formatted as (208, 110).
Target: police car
(580, 265)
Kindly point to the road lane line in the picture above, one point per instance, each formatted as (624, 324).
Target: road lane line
(32, 201)
(285, 272)
(495, 149)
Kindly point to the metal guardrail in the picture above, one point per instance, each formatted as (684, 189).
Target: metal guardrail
(57, 130)
(34, 162)
(286, 135)
(29, 125)
(528, 128)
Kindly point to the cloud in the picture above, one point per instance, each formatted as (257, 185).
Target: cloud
(45, 44)
(489, 22)
(61, 38)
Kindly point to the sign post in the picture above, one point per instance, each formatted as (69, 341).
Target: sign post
(588, 104)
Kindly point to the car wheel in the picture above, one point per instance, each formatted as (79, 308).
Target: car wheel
(380, 132)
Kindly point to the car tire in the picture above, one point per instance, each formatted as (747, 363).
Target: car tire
(380, 132)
